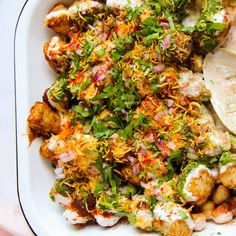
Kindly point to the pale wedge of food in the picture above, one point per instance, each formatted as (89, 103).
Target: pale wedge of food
(219, 71)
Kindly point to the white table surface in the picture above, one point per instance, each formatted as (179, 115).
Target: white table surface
(10, 10)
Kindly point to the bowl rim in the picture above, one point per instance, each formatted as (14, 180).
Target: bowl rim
(16, 112)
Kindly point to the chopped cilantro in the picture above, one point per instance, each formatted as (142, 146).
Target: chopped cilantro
(86, 84)
(100, 52)
(100, 130)
(88, 48)
(58, 90)
(132, 14)
(183, 215)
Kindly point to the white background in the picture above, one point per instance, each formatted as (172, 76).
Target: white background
(10, 10)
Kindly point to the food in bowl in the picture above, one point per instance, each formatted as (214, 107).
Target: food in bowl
(127, 124)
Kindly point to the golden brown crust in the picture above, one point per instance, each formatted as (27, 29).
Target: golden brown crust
(45, 152)
(179, 227)
(202, 186)
(60, 23)
(43, 121)
(228, 178)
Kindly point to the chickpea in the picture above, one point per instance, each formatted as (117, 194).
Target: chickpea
(222, 214)
(199, 220)
(207, 209)
(220, 195)
(179, 227)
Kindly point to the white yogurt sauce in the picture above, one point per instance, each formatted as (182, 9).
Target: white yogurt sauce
(61, 200)
(121, 4)
(171, 212)
(106, 221)
(54, 144)
(56, 14)
(53, 46)
(83, 6)
(223, 218)
(73, 217)
(225, 167)
(219, 16)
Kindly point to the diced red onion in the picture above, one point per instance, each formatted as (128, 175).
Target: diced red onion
(171, 145)
(132, 160)
(201, 140)
(95, 69)
(171, 110)
(66, 156)
(161, 144)
(158, 68)
(212, 152)
(159, 115)
(59, 173)
(156, 56)
(71, 44)
(136, 169)
(170, 102)
(142, 151)
(166, 42)
(150, 138)
(79, 51)
(99, 76)
(164, 24)
(103, 36)
(91, 27)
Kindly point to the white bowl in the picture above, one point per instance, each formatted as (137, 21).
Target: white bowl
(35, 176)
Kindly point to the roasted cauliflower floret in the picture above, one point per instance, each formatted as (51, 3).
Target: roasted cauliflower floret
(228, 170)
(139, 207)
(192, 85)
(55, 52)
(46, 152)
(168, 218)
(172, 219)
(50, 147)
(43, 121)
(58, 19)
(196, 182)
